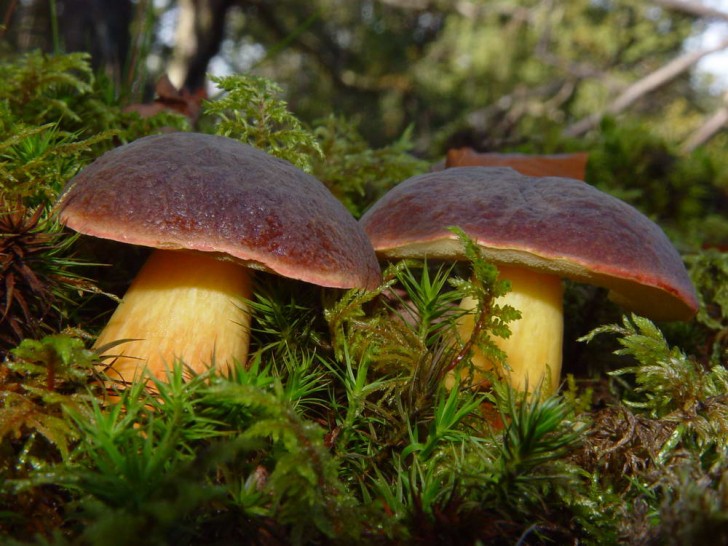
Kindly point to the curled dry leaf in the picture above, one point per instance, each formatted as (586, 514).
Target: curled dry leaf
(571, 165)
(170, 99)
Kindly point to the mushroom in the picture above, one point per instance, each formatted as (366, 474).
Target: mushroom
(213, 209)
(537, 231)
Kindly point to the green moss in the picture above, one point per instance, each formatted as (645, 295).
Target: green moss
(251, 110)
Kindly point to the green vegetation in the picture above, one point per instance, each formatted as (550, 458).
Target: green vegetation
(252, 111)
(340, 428)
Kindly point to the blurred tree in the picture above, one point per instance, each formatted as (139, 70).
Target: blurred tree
(100, 27)
(489, 74)
(499, 74)
(199, 33)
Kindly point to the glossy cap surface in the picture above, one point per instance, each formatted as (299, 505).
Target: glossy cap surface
(214, 194)
(556, 225)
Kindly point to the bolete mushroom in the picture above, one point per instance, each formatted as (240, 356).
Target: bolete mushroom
(537, 231)
(213, 209)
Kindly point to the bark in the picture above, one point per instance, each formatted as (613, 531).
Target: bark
(200, 31)
(100, 27)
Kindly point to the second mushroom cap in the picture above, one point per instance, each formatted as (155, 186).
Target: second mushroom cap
(556, 225)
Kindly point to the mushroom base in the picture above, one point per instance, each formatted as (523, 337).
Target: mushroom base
(186, 306)
(534, 348)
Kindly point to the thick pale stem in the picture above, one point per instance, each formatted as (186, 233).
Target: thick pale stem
(181, 305)
(534, 348)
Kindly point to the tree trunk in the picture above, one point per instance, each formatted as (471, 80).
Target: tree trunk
(200, 31)
(100, 27)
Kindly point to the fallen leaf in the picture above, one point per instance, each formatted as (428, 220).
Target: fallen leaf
(565, 165)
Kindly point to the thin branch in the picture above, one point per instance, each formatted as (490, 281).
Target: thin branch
(9, 11)
(713, 125)
(642, 87)
(693, 8)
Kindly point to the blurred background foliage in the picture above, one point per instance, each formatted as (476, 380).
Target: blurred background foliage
(503, 72)
(617, 78)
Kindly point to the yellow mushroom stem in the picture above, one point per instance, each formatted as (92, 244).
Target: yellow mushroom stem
(533, 350)
(181, 305)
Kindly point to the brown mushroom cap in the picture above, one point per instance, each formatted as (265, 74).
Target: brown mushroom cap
(556, 225)
(214, 194)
